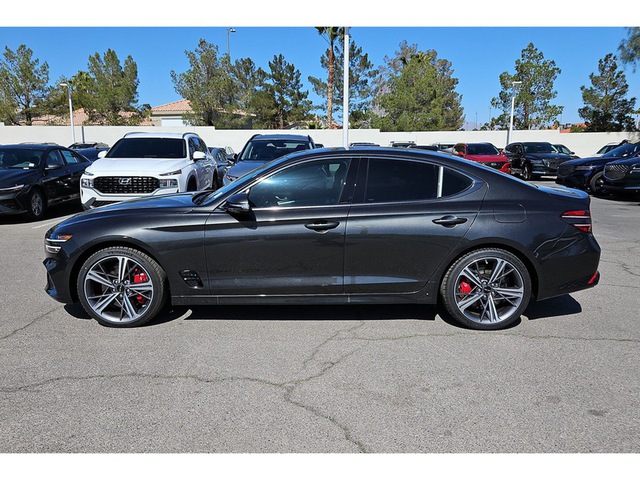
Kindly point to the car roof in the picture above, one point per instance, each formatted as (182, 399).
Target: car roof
(32, 146)
(283, 136)
(157, 135)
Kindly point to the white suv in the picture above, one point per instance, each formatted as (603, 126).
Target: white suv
(147, 164)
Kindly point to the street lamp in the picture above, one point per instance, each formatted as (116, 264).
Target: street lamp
(73, 130)
(229, 30)
(513, 102)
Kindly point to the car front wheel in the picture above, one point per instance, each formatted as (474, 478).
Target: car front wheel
(36, 205)
(121, 287)
(486, 289)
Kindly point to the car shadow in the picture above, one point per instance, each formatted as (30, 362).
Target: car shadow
(553, 307)
(56, 211)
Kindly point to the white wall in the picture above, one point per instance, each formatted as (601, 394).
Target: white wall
(583, 144)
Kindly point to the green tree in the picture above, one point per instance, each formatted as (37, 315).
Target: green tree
(630, 47)
(418, 93)
(361, 75)
(607, 108)
(108, 91)
(533, 107)
(331, 35)
(208, 85)
(23, 86)
(280, 100)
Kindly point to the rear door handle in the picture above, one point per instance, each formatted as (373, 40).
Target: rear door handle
(322, 226)
(449, 221)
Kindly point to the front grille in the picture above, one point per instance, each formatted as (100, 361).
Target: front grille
(136, 185)
(551, 163)
(101, 204)
(615, 172)
(565, 170)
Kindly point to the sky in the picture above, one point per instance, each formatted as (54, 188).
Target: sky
(481, 40)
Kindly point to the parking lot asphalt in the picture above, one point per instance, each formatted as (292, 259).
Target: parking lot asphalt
(322, 379)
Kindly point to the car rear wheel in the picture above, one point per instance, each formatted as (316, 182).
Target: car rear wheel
(121, 287)
(486, 289)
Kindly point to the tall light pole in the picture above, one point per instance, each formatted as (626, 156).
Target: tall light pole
(513, 103)
(229, 30)
(73, 130)
(345, 89)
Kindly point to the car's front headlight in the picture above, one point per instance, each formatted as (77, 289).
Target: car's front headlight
(170, 174)
(585, 167)
(86, 182)
(635, 168)
(168, 183)
(53, 243)
(15, 188)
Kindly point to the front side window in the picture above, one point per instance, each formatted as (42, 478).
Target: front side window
(314, 183)
(393, 180)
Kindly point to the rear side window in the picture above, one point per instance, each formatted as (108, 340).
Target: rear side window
(394, 180)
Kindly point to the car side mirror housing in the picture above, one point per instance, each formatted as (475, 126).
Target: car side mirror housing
(199, 156)
(102, 154)
(237, 203)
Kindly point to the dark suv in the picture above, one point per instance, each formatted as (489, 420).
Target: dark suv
(588, 173)
(35, 176)
(264, 148)
(531, 160)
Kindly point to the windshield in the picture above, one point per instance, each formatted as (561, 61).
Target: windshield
(20, 158)
(482, 149)
(148, 148)
(626, 150)
(266, 150)
(539, 147)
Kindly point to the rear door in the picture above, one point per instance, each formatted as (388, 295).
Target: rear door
(406, 217)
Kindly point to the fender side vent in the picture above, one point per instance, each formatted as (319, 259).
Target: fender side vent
(191, 278)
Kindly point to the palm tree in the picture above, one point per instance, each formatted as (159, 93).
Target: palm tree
(331, 34)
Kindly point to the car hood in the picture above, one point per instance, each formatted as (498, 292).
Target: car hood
(597, 161)
(14, 176)
(626, 161)
(487, 158)
(240, 168)
(116, 166)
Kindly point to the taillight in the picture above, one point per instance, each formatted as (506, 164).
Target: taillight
(581, 219)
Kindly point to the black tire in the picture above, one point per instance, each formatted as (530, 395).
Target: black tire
(121, 287)
(526, 172)
(596, 184)
(192, 186)
(36, 205)
(215, 184)
(486, 289)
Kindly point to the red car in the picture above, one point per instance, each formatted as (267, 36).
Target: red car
(485, 153)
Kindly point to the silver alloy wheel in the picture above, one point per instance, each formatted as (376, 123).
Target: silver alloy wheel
(37, 205)
(118, 289)
(489, 290)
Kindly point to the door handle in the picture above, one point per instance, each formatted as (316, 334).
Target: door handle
(449, 221)
(322, 226)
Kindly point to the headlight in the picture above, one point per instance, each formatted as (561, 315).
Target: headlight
(15, 188)
(230, 178)
(175, 172)
(585, 167)
(635, 168)
(86, 182)
(168, 183)
(53, 241)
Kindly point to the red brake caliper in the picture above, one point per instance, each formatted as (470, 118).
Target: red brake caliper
(140, 278)
(464, 288)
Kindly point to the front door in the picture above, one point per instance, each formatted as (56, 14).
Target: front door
(292, 240)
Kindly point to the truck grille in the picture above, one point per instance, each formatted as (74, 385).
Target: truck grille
(615, 172)
(137, 185)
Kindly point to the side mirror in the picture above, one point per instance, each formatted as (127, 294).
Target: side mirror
(237, 203)
(232, 158)
(53, 167)
(199, 156)
(102, 154)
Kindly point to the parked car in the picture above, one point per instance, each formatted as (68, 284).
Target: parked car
(222, 159)
(531, 160)
(89, 150)
(35, 176)
(432, 148)
(608, 147)
(316, 227)
(623, 175)
(147, 164)
(485, 153)
(444, 147)
(402, 144)
(588, 173)
(264, 148)
(560, 148)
